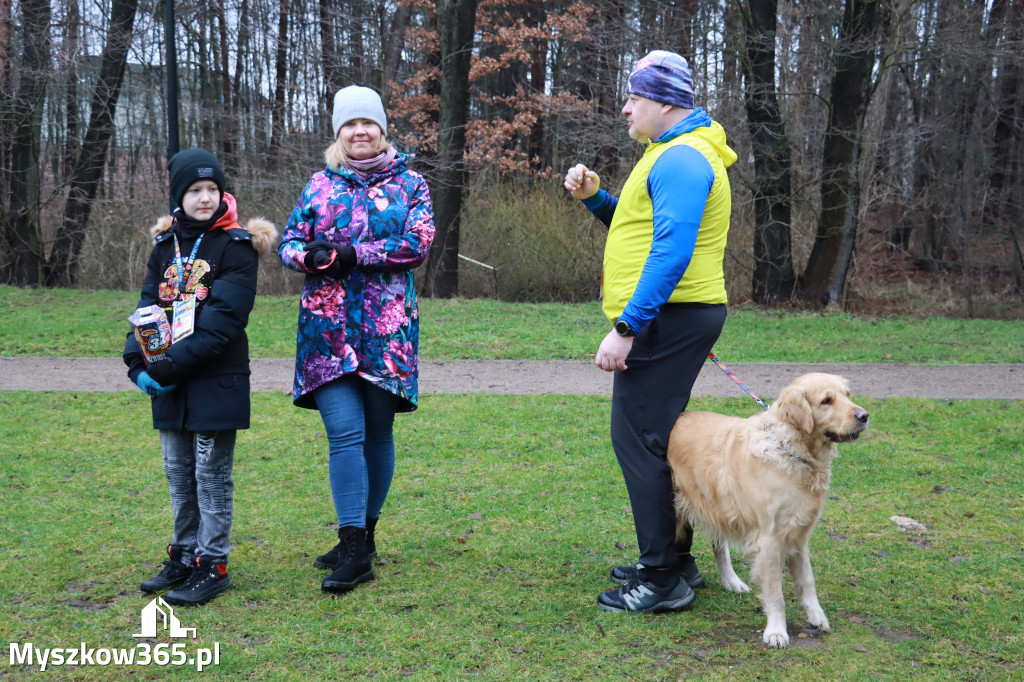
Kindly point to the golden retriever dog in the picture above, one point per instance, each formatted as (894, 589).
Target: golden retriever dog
(760, 483)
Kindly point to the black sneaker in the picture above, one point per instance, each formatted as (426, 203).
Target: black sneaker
(638, 596)
(207, 581)
(173, 574)
(691, 574)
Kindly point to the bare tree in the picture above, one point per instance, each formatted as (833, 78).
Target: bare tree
(280, 79)
(773, 278)
(456, 20)
(824, 279)
(23, 237)
(63, 267)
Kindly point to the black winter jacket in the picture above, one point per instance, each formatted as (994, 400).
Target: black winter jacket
(209, 368)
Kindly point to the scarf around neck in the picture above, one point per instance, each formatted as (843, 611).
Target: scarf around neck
(366, 167)
(225, 216)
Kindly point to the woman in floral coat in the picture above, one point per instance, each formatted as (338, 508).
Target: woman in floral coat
(358, 229)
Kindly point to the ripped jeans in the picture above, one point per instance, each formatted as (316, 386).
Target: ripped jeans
(198, 467)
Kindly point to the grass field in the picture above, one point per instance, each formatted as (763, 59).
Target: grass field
(504, 518)
(505, 515)
(93, 324)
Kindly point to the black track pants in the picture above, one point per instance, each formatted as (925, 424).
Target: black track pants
(647, 398)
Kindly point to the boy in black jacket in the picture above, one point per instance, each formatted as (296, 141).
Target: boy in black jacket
(203, 266)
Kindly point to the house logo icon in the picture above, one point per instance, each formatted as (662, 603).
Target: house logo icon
(159, 613)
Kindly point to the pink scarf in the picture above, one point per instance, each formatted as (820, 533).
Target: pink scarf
(365, 167)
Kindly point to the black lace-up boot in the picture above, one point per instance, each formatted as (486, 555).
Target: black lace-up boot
(329, 560)
(353, 565)
(173, 574)
(207, 581)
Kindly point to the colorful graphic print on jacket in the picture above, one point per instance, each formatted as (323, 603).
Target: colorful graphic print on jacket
(195, 283)
(367, 322)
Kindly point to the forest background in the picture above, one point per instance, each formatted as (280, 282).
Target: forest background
(880, 142)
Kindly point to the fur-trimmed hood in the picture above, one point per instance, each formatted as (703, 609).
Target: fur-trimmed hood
(263, 232)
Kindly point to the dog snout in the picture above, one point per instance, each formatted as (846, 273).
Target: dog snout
(861, 416)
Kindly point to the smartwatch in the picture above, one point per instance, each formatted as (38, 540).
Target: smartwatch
(622, 328)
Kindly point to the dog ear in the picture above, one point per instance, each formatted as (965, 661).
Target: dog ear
(794, 409)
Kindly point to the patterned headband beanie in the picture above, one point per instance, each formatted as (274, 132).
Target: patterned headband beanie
(192, 165)
(358, 102)
(664, 77)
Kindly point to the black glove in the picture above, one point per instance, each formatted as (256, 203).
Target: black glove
(163, 372)
(325, 258)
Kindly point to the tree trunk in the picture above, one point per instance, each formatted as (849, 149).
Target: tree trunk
(23, 238)
(6, 126)
(456, 21)
(228, 117)
(333, 77)
(605, 53)
(357, 63)
(538, 156)
(773, 277)
(1005, 177)
(71, 52)
(825, 277)
(63, 269)
(393, 53)
(281, 74)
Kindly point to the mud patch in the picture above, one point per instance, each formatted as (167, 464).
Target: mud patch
(894, 636)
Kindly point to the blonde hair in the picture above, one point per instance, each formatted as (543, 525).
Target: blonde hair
(336, 157)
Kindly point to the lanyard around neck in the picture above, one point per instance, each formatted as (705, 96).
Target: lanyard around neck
(183, 271)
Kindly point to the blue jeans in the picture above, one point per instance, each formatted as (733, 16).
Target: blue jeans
(358, 418)
(198, 467)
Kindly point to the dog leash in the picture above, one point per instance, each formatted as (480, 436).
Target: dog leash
(728, 373)
(764, 406)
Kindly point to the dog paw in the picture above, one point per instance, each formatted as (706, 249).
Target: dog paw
(816, 619)
(815, 625)
(734, 584)
(776, 639)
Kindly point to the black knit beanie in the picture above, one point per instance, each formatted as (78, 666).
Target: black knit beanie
(192, 165)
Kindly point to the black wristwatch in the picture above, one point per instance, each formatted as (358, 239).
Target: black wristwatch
(622, 328)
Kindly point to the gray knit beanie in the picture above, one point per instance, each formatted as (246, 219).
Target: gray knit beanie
(358, 102)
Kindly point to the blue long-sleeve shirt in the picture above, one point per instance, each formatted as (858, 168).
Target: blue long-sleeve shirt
(678, 184)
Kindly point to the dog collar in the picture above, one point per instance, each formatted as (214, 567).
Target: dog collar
(773, 438)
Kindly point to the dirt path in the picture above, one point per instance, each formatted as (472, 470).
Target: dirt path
(520, 377)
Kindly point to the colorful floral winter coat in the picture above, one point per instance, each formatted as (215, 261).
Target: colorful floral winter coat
(366, 322)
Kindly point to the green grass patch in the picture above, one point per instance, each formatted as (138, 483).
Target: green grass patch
(505, 515)
(72, 323)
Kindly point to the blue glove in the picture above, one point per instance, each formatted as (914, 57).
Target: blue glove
(148, 385)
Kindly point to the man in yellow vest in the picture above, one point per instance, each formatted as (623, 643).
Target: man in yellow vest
(664, 294)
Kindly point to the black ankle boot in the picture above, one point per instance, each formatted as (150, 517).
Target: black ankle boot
(371, 547)
(354, 565)
(173, 574)
(207, 581)
(330, 559)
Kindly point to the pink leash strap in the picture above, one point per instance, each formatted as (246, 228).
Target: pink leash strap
(728, 373)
